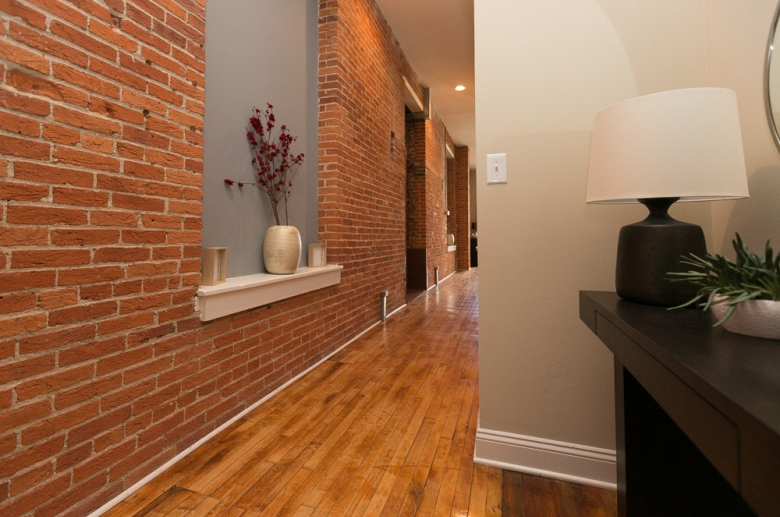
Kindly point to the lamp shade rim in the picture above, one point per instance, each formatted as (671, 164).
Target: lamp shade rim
(679, 143)
(683, 199)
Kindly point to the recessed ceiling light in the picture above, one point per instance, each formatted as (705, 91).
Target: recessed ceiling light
(460, 88)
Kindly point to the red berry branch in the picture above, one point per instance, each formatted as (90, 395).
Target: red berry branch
(274, 165)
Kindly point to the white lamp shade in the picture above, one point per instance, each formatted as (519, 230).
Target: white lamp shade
(680, 143)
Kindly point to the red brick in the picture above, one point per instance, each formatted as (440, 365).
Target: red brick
(17, 302)
(114, 218)
(31, 478)
(60, 134)
(24, 103)
(51, 340)
(128, 150)
(158, 221)
(64, 11)
(90, 275)
(81, 39)
(186, 237)
(116, 111)
(53, 174)
(55, 298)
(129, 287)
(27, 280)
(86, 81)
(126, 395)
(143, 336)
(53, 382)
(145, 204)
(165, 158)
(84, 120)
(23, 236)
(141, 303)
(19, 124)
(91, 351)
(102, 461)
(98, 143)
(125, 323)
(140, 67)
(13, 8)
(123, 360)
(57, 423)
(145, 370)
(116, 73)
(143, 237)
(25, 148)
(73, 456)
(144, 170)
(185, 207)
(42, 215)
(111, 34)
(95, 292)
(49, 46)
(134, 254)
(17, 325)
(23, 57)
(22, 415)
(86, 392)
(86, 159)
(81, 313)
(84, 237)
(163, 126)
(50, 258)
(99, 425)
(142, 455)
(166, 94)
(120, 184)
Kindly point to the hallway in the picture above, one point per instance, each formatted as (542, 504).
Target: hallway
(384, 427)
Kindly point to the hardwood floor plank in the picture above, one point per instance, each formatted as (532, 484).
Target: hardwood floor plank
(478, 496)
(385, 427)
(495, 490)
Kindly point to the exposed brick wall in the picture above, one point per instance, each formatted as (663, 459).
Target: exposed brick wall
(462, 214)
(106, 371)
(426, 205)
(436, 211)
(416, 222)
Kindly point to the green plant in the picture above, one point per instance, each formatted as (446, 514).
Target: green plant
(751, 277)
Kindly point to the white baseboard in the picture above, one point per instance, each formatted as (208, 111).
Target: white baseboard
(127, 493)
(558, 460)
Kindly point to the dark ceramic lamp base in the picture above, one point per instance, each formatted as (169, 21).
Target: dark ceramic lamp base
(649, 250)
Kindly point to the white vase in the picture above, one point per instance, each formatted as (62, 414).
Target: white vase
(282, 250)
(757, 318)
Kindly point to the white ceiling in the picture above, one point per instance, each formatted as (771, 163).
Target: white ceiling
(437, 37)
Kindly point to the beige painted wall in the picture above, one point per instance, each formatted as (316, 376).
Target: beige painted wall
(737, 35)
(543, 70)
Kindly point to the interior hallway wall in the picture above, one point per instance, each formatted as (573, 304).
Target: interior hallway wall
(737, 36)
(544, 69)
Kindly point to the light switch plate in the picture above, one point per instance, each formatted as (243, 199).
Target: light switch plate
(496, 168)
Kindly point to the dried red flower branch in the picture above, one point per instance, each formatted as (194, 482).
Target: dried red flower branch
(274, 165)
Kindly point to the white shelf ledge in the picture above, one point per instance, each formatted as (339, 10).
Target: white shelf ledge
(241, 293)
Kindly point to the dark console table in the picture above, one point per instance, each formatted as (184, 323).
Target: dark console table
(698, 411)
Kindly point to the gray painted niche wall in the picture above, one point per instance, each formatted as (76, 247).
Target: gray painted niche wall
(257, 52)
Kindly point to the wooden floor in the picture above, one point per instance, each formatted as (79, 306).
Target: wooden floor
(385, 427)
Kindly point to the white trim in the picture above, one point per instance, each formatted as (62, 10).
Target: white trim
(241, 293)
(549, 458)
(451, 248)
(140, 484)
(411, 100)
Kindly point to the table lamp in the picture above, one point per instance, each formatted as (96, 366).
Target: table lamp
(679, 145)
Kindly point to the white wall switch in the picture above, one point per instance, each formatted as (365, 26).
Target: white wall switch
(496, 168)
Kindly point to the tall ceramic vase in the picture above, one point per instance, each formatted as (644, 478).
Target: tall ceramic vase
(282, 250)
